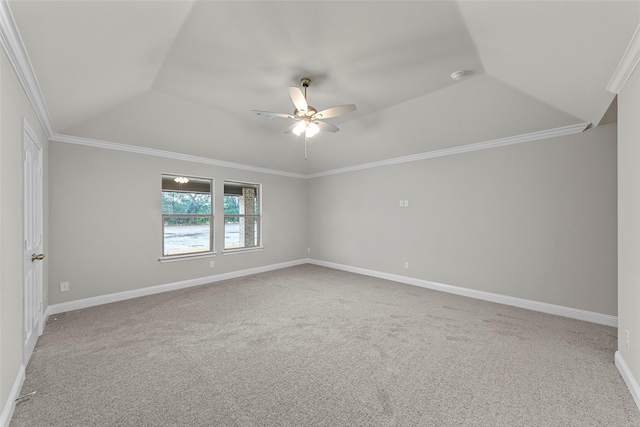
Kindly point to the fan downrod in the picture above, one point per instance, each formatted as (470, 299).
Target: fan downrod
(310, 112)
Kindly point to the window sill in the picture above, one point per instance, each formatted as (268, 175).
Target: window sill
(187, 257)
(242, 250)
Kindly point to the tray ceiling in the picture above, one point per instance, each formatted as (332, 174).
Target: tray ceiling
(183, 76)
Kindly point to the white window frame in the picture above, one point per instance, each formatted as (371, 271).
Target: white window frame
(259, 246)
(194, 255)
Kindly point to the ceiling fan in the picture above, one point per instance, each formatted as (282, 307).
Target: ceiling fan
(308, 119)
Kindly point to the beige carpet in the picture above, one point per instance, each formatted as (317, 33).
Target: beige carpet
(311, 346)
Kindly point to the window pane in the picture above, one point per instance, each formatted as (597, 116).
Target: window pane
(241, 232)
(184, 235)
(231, 205)
(241, 215)
(251, 231)
(186, 203)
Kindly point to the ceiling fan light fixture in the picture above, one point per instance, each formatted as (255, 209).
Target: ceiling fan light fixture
(297, 130)
(311, 130)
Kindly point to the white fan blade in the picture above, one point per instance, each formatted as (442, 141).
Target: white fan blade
(327, 127)
(269, 115)
(336, 111)
(297, 97)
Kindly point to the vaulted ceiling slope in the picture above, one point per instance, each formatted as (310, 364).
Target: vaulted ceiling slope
(183, 76)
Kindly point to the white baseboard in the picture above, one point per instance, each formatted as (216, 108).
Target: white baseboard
(628, 378)
(121, 296)
(10, 405)
(573, 313)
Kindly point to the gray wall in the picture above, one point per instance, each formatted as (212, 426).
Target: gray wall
(106, 227)
(14, 109)
(534, 220)
(629, 223)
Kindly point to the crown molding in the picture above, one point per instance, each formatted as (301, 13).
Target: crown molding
(627, 64)
(533, 136)
(518, 139)
(14, 47)
(168, 154)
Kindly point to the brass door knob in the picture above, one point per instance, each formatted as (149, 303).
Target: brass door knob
(37, 257)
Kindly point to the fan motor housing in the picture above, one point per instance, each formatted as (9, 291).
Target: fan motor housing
(309, 113)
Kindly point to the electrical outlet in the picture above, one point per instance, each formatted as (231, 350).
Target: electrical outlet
(212, 264)
(406, 203)
(308, 250)
(401, 203)
(406, 265)
(64, 286)
(628, 340)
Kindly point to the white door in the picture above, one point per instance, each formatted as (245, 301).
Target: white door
(33, 244)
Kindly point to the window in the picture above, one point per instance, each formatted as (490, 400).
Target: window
(187, 215)
(241, 215)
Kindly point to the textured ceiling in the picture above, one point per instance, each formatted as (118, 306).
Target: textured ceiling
(184, 76)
